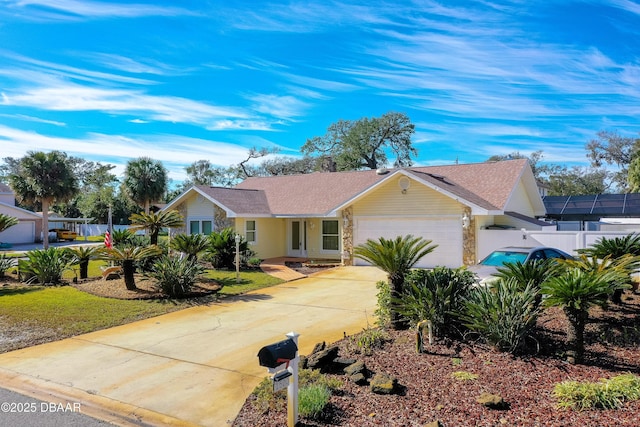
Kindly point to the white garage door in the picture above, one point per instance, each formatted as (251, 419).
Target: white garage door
(22, 232)
(446, 233)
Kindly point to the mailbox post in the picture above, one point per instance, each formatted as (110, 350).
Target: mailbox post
(282, 359)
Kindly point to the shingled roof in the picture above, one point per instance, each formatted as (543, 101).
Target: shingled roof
(487, 185)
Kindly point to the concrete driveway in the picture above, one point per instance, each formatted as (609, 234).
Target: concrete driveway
(195, 366)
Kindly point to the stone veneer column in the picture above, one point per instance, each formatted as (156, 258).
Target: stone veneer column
(347, 236)
(469, 239)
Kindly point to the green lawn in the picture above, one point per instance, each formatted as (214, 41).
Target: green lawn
(32, 314)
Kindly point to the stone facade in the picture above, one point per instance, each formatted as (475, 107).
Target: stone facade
(469, 239)
(220, 219)
(347, 236)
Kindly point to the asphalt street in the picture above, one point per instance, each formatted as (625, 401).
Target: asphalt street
(20, 410)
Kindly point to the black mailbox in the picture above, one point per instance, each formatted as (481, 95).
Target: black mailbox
(274, 355)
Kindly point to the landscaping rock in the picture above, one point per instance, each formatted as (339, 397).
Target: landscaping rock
(319, 347)
(358, 379)
(323, 359)
(355, 368)
(435, 423)
(492, 401)
(342, 362)
(383, 384)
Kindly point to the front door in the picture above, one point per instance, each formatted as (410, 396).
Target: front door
(298, 241)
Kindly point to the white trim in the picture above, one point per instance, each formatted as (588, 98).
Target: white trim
(199, 219)
(322, 234)
(254, 231)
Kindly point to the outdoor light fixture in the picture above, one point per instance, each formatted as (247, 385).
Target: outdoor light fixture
(345, 220)
(524, 233)
(466, 221)
(238, 239)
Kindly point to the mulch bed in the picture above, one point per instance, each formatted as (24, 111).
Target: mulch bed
(146, 288)
(526, 383)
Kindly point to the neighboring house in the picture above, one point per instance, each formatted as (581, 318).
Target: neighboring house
(325, 215)
(29, 223)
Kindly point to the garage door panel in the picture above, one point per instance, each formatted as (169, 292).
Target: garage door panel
(446, 233)
(23, 232)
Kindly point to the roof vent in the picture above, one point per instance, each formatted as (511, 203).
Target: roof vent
(382, 171)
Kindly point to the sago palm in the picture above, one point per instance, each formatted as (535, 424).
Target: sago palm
(156, 221)
(575, 291)
(190, 244)
(533, 273)
(127, 257)
(395, 257)
(81, 255)
(7, 221)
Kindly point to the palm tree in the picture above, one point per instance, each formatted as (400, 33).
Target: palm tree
(616, 248)
(82, 255)
(575, 292)
(7, 221)
(395, 257)
(154, 222)
(145, 181)
(127, 258)
(190, 244)
(45, 178)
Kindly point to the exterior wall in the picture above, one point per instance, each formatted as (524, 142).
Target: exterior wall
(270, 236)
(418, 200)
(520, 202)
(469, 239)
(347, 236)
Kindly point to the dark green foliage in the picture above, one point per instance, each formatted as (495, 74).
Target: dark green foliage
(534, 273)
(45, 266)
(222, 249)
(5, 264)
(7, 221)
(575, 292)
(616, 248)
(383, 310)
(127, 257)
(81, 255)
(190, 244)
(436, 295)
(153, 223)
(121, 237)
(175, 276)
(503, 314)
(395, 257)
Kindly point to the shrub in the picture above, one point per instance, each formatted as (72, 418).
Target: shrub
(175, 276)
(502, 314)
(5, 264)
(383, 310)
(45, 265)
(222, 249)
(312, 400)
(436, 295)
(190, 244)
(370, 339)
(605, 394)
(267, 399)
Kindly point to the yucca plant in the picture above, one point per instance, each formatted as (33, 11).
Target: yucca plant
(575, 292)
(155, 221)
(81, 255)
(175, 276)
(45, 266)
(395, 257)
(436, 295)
(5, 264)
(503, 314)
(127, 257)
(190, 244)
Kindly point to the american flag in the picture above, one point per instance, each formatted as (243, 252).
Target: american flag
(107, 240)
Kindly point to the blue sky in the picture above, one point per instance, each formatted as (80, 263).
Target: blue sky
(202, 79)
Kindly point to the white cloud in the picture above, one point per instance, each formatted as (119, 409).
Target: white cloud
(67, 9)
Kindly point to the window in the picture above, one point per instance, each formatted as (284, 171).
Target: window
(250, 231)
(330, 236)
(200, 226)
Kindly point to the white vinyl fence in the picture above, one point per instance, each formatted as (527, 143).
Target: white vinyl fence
(568, 241)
